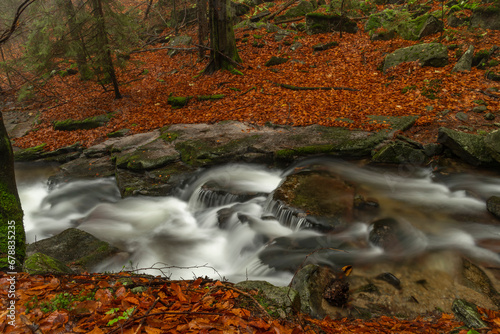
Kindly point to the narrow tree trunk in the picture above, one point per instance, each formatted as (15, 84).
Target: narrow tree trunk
(76, 36)
(201, 5)
(103, 45)
(12, 235)
(224, 53)
(6, 67)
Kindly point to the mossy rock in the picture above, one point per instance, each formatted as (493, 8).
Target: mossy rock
(86, 124)
(428, 54)
(277, 300)
(119, 133)
(399, 152)
(178, 101)
(201, 153)
(30, 153)
(275, 61)
(41, 264)
(210, 97)
(318, 23)
(152, 155)
(75, 248)
(487, 17)
(320, 194)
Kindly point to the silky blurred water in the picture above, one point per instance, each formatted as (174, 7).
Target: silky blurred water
(184, 236)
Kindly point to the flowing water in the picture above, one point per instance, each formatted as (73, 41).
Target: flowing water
(183, 236)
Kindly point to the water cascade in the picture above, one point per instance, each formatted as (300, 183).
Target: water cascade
(224, 223)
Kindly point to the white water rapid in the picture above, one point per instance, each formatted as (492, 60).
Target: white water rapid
(185, 236)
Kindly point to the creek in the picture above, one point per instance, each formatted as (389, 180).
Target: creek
(185, 237)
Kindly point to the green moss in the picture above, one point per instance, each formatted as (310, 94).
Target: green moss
(40, 264)
(290, 154)
(88, 123)
(210, 97)
(10, 210)
(168, 136)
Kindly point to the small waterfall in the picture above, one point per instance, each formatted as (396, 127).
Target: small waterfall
(226, 219)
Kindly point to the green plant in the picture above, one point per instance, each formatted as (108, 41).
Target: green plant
(125, 316)
(408, 88)
(431, 88)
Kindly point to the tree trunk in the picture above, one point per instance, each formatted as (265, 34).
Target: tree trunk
(76, 36)
(103, 45)
(12, 236)
(201, 5)
(224, 53)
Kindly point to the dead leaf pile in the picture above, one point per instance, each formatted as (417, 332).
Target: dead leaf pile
(127, 303)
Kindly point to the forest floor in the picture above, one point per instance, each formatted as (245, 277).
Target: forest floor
(434, 94)
(99, 303)
(108, 303)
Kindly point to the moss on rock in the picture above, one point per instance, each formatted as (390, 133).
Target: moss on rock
(41, 264)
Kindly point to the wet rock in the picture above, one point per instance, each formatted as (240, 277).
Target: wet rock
(398, 152)
(469, 147)
(153, 155)
(386, 233)
(467, 313)
(391, 279)
(75, 248)
(493, 206)
(475, 278)
(320, 194)
(311, 282)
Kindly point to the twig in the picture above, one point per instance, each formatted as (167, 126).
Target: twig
(147, 312)
(251, 297)
(316, 88)
(165, 48)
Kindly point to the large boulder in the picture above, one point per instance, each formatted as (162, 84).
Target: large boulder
(469, 147)
(486, 17)
(323, 196)
(428, 54)
(492, 142)
(318, 23)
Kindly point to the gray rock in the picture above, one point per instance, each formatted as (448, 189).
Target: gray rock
(469, 147)
(178, 41)
(492, 142)
(479, 109)
(461, 116)
(153, 155)
(428, 54)
(88, 123)
(465, 62)
(486, 17)
(489, 116)
(295, 46)
(75, 248)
